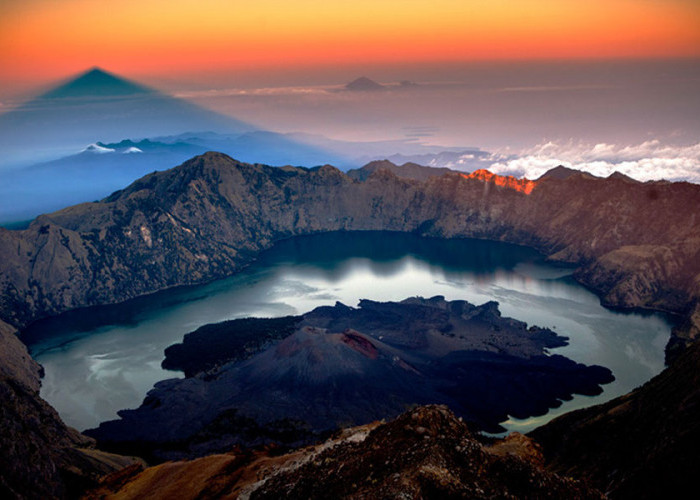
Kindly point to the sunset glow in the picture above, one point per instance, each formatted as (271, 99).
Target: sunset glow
(44, 39)
(521, 185)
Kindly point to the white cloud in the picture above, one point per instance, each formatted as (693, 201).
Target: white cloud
(96, 148)
(650, 160)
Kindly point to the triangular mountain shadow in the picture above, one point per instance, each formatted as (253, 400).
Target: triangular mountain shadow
(97, 82)
(99, 106)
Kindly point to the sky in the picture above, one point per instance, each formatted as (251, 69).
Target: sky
(45, 40)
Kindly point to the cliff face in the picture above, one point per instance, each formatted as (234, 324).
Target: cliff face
(16, 361)
(637, 245)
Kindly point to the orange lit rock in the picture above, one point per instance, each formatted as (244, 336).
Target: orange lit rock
(522, 185)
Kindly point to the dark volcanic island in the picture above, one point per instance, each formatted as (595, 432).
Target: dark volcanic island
(291, 380)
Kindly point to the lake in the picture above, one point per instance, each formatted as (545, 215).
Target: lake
(103, 359)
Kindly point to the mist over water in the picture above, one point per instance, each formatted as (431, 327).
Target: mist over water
(104, 359)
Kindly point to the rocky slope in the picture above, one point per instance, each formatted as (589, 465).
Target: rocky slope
(425, 453)
(39, 456)
(636, 244)
(338, 366)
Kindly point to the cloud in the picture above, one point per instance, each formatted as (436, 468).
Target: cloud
(267, 91)
(649, 160)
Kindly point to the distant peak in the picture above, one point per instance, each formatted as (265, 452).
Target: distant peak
(96, 82)
(508, 181)
(364, 83)
(377, 164)
(620, 176)
(560, 172)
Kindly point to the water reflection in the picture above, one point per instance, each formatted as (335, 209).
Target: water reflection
(104, 359)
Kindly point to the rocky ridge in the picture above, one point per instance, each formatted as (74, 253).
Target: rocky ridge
(425, 453)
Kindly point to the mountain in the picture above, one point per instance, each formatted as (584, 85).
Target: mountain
(95, 172)
(407, 170)
(103, 167)
(211, 215)
(364, 84)
(292, 380)
(425, 453)
(559, 172)
(98, 106)
(634, 244)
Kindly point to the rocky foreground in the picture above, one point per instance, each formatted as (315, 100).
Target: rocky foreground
(635, 244)
(425, 453)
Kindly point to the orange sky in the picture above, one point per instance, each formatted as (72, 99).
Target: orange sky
(47, 39)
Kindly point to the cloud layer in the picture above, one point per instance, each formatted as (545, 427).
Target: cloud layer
(650, 160)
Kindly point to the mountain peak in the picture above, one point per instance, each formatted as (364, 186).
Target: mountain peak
(364, 83)
(96, 82)
(560, 172)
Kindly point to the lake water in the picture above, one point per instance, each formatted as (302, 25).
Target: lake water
(104, 359)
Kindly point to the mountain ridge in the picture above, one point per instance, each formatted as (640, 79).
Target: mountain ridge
(211, 215)
(427, 452)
